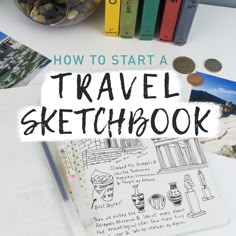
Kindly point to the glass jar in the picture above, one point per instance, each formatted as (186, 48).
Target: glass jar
(57, 12)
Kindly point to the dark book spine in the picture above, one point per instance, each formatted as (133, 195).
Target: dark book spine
(169, 19)
(185, 20)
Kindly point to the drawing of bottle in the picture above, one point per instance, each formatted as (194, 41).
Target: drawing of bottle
(138, 199)
(205, 189)
(174, 195)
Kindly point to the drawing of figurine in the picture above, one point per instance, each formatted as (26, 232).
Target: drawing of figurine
(174, 195)
(188, 183)
(206, 191)
(195, 210)
(138, 199)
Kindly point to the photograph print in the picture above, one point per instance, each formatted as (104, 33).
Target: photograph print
(18, 63)
(222, 92)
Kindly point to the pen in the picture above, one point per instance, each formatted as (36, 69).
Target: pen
(72, 217)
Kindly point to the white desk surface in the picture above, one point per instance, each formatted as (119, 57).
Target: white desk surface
(213, 35)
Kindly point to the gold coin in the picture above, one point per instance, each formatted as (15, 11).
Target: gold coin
(184, 65)
(195, 79)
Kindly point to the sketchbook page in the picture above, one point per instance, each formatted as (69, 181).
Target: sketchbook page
(133, 186)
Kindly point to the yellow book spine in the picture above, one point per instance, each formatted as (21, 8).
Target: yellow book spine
(112, 17)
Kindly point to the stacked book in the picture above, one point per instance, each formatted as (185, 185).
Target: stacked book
(170, 19)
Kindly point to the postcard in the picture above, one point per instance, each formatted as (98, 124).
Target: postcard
(223, 92)
(19, 64)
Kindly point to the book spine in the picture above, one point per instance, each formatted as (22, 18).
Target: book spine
(185, 20)
(169, 19)
(128, 17)
(112, 17)
(149, 18)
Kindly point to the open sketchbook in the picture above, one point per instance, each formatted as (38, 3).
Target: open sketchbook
(141, 187)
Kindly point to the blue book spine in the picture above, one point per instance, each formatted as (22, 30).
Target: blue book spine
(185, 20)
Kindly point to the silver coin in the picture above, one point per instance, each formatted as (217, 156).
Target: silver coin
(184, 65)
(213, 65)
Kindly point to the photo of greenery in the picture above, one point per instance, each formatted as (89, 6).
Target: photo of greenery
(18, 63)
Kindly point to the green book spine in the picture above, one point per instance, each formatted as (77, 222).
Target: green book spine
(149, 18)
(128, 17)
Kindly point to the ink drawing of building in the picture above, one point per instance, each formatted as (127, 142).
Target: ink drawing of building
(176, 154)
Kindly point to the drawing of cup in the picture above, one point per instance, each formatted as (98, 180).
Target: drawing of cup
(103, 182)
(138, 199)
(157, 201)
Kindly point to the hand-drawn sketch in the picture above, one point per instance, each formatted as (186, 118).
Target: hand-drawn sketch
(188, 183)
(195, 210)
(131, 146)
(97, 151)
(175, 154)
(206, 191)
(103, 184)
(138, 199)
(143, 152)
(97, 196)
(157, 201)
(136, 173)
(174, 195)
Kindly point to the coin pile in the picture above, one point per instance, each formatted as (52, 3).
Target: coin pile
(51, 12)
